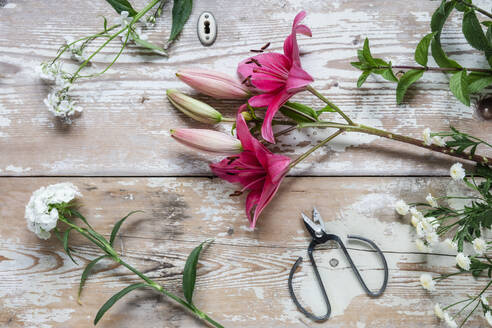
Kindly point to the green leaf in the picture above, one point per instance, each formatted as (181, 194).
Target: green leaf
(122, 5)
(109, 303)
(406, 81)
(105, 24)
(327, 108)
(478, 81)
(299, 112)
(85, 274)
(181, 13)
(366, 53)
(473, 31)
(362, 78)
(459, 87)
(65, 244)
(461, 6)
(151, 46)
(437, 23)
(440, 56)
(117, 226)
(389, 75)
(189, 272)
(422, 50)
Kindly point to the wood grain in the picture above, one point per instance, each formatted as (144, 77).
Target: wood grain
(242, 276)
(124, 127)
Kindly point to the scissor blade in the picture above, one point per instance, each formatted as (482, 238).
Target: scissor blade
(310, 223)
(317, 218)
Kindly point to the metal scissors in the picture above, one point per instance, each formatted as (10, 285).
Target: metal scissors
(317, 229)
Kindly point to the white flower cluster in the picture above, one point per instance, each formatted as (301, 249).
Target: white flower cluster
(429, 140)
(133, 32)
(444, 315)
(426, 227)
(77, 53)
(40, 214)
(58, 101)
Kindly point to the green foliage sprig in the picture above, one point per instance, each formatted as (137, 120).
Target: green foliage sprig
(464, 81)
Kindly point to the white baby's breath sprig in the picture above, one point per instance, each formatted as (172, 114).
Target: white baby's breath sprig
(77, 52)
(427, 283)
(438, 141)
(421, 245)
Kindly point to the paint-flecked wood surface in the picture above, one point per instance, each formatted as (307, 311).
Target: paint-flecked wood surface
(242, 276)
(124, 127)
(123, 131)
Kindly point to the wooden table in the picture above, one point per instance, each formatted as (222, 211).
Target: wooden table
(119, 153)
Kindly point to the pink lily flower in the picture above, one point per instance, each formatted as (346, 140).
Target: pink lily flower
(276, 76)
(255, 168)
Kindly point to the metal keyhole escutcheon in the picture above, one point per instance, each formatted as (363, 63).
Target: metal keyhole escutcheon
(207, 28)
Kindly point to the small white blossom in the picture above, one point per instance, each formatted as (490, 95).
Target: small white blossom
(463, 261)
(401, 207)
(51, 73)
(424, 227)
(427, 282)
(59, 103)
(415, 221)
(438, 141)
(432, 238)
(484, 300)
(123, 19)
(451, 244)
(488, 317)
(426, 134)
(76, 52)
(438, 311)
(457, 172)
(431, 200)
(449, 321)
(479, 245)
(40, 215)
(421, 246)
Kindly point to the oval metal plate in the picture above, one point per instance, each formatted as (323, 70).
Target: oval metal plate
(207, 28)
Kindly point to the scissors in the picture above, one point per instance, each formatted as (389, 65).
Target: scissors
(317, 229)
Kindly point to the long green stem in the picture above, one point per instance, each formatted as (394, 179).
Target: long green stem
(329, 103)
(321, 144)
(393, 136)
(139, 15)
(434, 69)
(480, 10)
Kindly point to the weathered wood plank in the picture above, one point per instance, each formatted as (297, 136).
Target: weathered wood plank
(125, 124)
(243, 275)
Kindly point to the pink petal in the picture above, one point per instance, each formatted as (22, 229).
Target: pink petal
(277, 166)
(299, 17)
(242, 130)
(298, 79)
(268, 61)
(262, 100)
(269, 190)
(304, 30)
(273, 107)
(251, 201)
(291, 49)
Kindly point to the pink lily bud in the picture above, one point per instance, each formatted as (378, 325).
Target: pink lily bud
(208, 140)
(193, 108)
(214, 84)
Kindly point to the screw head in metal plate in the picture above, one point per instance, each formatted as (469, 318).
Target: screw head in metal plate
(207, 28)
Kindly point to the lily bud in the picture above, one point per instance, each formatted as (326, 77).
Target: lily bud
(193, 108)
(214, 84)
(208, 140)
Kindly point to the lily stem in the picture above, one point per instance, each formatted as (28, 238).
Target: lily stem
(393, 136)
(329, 103)
(321, 144)
(437, 69)
(480, 10)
